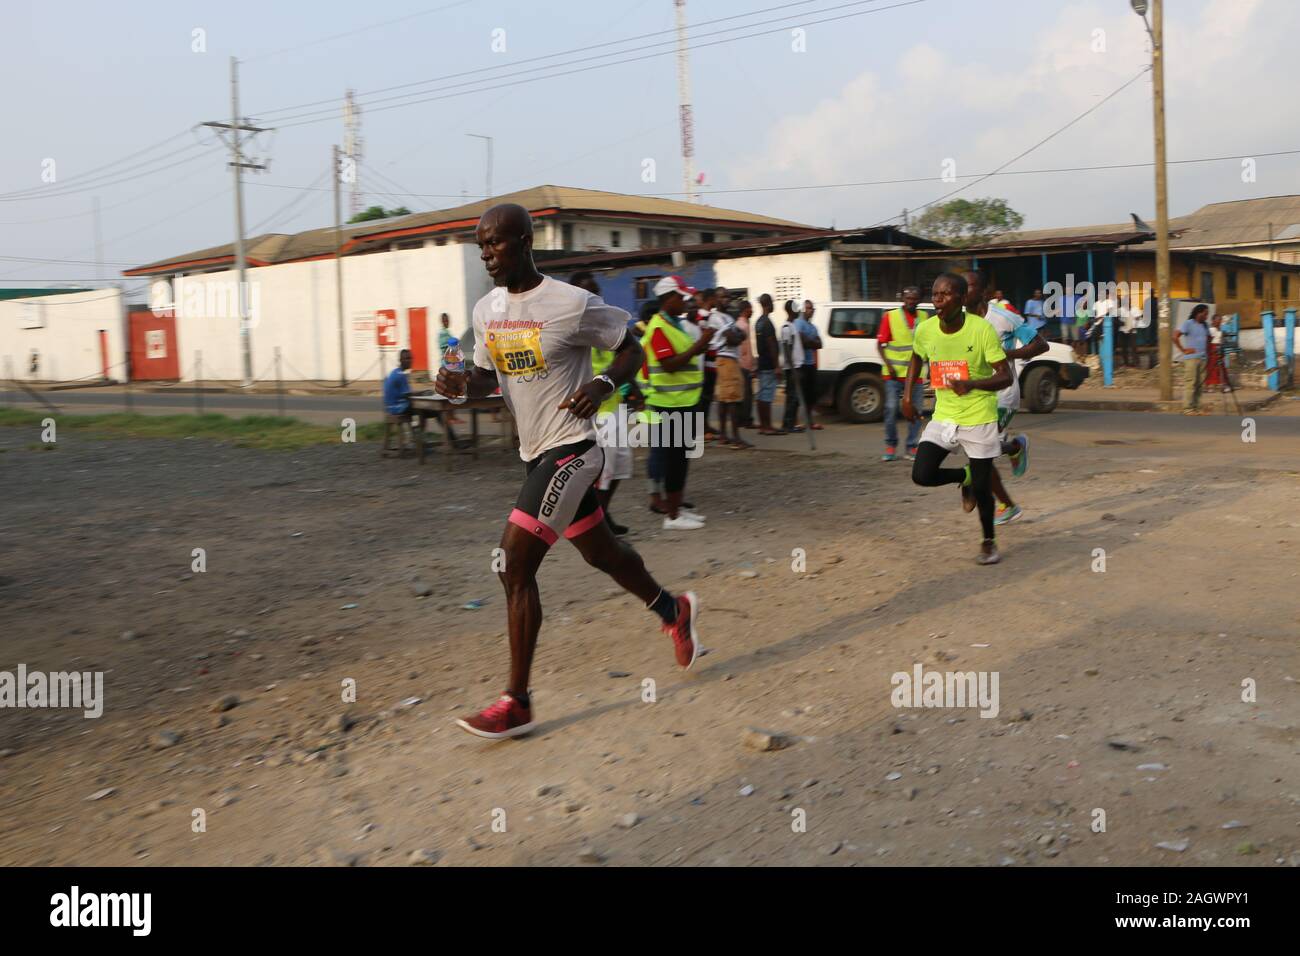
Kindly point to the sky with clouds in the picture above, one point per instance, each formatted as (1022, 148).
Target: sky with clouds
(846, 123)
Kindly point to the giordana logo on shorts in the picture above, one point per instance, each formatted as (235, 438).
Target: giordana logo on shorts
(103, 909)
(556, 487)
(77, 689)
(923, 688)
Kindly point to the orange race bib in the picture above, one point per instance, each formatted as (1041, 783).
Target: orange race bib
(517, 352)
(946, 370)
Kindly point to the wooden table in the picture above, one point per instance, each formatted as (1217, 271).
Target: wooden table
(492, 403)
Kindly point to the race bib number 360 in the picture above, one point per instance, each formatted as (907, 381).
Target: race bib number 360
(517, 352)
(944, 371)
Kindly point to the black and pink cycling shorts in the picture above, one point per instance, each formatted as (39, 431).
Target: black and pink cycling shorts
(557, 497)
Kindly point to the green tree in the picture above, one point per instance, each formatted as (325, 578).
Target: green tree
(966, 222)
(379, 212)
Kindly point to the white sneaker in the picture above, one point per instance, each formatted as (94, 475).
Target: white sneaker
(694, 514)
(683, 522)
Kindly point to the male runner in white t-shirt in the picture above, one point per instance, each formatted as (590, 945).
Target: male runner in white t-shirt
(533, 338)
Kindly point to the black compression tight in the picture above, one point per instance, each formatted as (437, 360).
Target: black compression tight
(926, 471)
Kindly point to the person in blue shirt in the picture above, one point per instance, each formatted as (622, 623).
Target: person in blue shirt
(397, 397)
(1190, 340)
(812, 341)
(1033, 311)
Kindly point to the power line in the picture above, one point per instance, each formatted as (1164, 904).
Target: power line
(600, 56)
(117, 182)
(349, 33)
(1046, 139)
(275, 216)
(874, 182)
(333, 114)
(550, 56)
(116, 162)
(90, 212)
(392, 182)
(80, 262)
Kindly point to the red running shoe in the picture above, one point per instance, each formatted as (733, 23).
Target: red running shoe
(506, 718)
(686, 643)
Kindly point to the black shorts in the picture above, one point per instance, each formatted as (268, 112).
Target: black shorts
(557, 496)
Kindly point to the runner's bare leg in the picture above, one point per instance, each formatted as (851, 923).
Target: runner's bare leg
(523, 556)
(604, 552)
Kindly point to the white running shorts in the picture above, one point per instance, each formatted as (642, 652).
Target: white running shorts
(977, 441)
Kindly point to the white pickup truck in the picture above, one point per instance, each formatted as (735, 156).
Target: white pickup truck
(849, 365)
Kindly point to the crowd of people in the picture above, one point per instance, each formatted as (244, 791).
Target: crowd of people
(706, 354)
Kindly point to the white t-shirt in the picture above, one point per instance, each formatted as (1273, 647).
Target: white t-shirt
(1007, 324)
(539, 344)
(720, 322)
(791, 345)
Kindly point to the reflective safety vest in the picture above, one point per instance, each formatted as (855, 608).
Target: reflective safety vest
(668, 390)
(897, 352)
(600, 360)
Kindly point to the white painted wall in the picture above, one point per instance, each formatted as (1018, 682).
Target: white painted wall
(293, 307)
(759, 274)
(66, 336)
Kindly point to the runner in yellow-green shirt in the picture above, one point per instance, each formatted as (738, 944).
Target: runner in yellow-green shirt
(967, 369)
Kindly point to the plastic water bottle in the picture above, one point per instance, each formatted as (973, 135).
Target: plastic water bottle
(454, 360)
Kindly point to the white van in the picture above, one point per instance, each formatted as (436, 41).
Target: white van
(849, 364)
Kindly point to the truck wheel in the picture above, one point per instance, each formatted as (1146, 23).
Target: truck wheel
(1041, 390)
(862, 398)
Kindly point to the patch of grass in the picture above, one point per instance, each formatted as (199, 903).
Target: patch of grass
(251, 431)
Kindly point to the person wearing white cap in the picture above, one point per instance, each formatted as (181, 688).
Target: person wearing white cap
(675, 383)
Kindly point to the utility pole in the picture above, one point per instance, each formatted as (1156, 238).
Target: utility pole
(99, 244)
(353, 147)
(1156, 30)
(489, 160)
(237, 165)
(686, 119)
(338, 267)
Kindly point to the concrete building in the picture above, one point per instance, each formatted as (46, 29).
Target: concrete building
(399, 275)
(53, 335)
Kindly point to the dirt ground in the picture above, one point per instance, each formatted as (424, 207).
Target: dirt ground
(1104, 676)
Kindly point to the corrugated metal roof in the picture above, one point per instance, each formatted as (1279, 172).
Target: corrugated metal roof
(573, 199)
(1217, 225)
(276, 247)
(708, 249)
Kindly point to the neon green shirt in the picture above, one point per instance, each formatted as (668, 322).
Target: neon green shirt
(968, 353)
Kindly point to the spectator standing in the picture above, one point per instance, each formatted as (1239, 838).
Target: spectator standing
(1034, 311)
(791, 361)
(1190, 341)
(769, 365)
(811, 340)
(1082, 318)
(675, 378)
(746, 364)
(894, 338)
(706, 300)
(729, 387)
(1126, 331)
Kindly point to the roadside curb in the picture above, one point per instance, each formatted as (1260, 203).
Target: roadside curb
(1139, 405)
